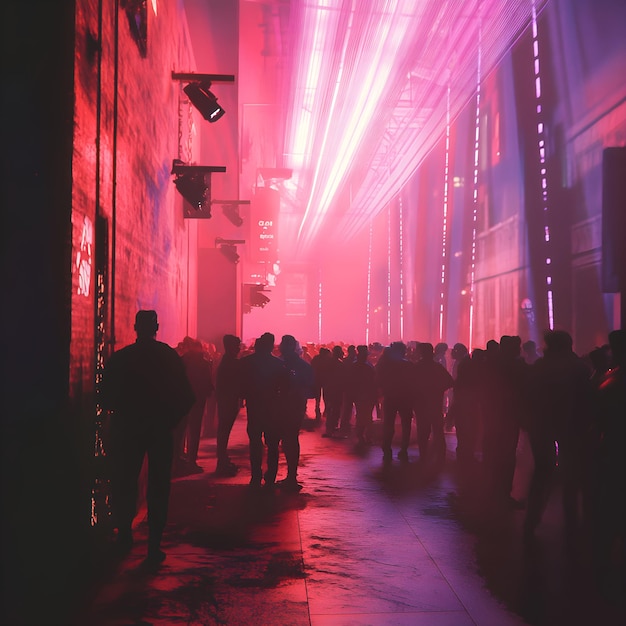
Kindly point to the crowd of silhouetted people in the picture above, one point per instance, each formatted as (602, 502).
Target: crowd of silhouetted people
(569, 410)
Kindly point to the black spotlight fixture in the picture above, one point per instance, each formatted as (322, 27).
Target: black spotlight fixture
(204, 101)
(193, 182)
(199, 94)
(194, 189)
(228, 247)
(232, 214)
(254, 296)
(230, 208)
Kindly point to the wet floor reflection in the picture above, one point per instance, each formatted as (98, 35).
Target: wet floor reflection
(362, 544)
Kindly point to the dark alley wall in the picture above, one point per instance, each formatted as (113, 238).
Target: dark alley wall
(91, 123)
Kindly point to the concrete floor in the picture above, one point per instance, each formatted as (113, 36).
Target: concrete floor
(361, 544)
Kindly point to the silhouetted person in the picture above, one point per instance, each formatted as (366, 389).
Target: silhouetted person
(440, 351)
(561, 394)
(466, 405)
(609, 487)
(432, 380)
(395, 378)
(334, 392)
(504, 410)
(362, 387)
(228, 392)
(600, 360)
(529, 352)
(187, 434)
(320, 364)
(146, 388)
(293, 399)
(264, 377)
(458, 353)
(348, 400)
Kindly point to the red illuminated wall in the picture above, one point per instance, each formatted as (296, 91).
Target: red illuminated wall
(127, 126)
(219, 301)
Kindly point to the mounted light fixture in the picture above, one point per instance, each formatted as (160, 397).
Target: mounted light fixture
(199, 94)
(230, 208)
(193, 182)
(228, 247)
(254, 296)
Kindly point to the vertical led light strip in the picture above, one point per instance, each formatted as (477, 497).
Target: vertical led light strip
(401, 260)
(475, 191)
(369, 285)
(541, 144)
(389, 271)
(444, 235)
(319, 307)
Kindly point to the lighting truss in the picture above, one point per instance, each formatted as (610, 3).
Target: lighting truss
(369, 97)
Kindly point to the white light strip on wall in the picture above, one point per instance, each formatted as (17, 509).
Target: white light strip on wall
(475, 192)
(541, 144)
(401, 273)
(389, 271)
(319, 308)
(444, 234)
(376, 103)
(369, 285)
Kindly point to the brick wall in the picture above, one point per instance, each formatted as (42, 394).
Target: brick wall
(127, 131)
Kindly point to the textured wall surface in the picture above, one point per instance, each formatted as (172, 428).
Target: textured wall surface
(128, 127)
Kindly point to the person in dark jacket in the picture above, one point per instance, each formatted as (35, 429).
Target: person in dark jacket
(395, 378)
(561, 392)
(293, 400)
(228, 392)
(334, 389)
(432, 380)
(187, 434)
(362, 388)
(264, 378)
(320, 364)
(147, 391)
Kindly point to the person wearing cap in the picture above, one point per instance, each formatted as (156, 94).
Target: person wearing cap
(146, 389)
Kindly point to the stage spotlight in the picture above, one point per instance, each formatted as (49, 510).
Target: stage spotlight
(230, 252)
(193, 182)
(254, 296)
(200, 96)
(231, 211)
(194, 189)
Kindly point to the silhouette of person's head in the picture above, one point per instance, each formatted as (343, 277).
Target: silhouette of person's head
(265, 343)
(232, 344)
(617, 342)
(146, 324)
(510, 346)
(558, 342)
(362, 353)
(529, 347)
(426, 351)
(459, 351)
(338, 352)
(397, 350)
(288, 345)
(441, 348)
(479, 355)
(492, 348)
